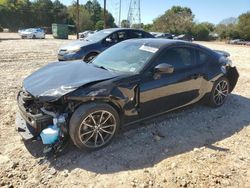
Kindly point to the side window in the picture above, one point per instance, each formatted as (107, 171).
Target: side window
(136, 34)
(179, 57)
(203, 57)
(113, 38)
(122, 35)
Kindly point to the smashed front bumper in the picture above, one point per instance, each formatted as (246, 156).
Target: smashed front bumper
(25, 130)
(30, 125)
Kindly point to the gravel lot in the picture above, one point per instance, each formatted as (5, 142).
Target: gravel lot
(193, 147)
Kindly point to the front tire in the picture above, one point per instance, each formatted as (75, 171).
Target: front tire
(219, 93)
(93, 126)
(89, 57)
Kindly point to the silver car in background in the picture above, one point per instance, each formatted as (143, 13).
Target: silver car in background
(32, 33)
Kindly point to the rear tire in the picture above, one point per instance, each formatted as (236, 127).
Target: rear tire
(219, 93)
(93, 126)
(33, 37)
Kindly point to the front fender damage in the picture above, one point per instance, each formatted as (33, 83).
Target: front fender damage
(124, 99)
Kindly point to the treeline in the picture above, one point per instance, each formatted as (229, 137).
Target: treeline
(16, 14)
(180, 20)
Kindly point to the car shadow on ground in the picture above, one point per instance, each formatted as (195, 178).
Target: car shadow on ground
(163, 137)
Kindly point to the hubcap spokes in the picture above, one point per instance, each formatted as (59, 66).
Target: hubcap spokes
(221, 92)
(97, 129)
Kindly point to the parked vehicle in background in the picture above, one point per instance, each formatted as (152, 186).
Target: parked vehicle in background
(243, 42)
(84, 34)
(162, 35)
(89, 47)
(185, 37)
(132, 81)
(32, 33)
(239, 42)
(235, 41)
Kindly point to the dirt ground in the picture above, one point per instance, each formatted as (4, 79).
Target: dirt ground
(193, 147)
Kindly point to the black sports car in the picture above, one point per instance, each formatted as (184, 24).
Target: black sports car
(132, 81)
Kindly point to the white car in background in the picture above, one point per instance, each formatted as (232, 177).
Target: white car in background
(84, 34)
(32, 33)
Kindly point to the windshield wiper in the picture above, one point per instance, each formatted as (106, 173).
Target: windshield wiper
(101, 67)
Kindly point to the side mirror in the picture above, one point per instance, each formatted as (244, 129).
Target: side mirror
(164, 68)
(108, 40)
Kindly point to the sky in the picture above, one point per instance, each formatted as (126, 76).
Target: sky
(212, 11)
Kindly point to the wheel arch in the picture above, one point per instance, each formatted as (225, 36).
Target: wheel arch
(90, 53)
(117, 107)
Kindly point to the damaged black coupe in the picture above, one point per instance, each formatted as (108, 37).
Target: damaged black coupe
(132, 81)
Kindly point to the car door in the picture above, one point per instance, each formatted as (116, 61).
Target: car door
(163, 92)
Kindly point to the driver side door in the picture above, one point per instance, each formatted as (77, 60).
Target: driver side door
(160, 92)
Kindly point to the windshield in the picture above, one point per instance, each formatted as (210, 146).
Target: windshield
(98, 35)
(125, 57)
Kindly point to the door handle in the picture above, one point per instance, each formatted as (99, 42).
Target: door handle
(195, 76)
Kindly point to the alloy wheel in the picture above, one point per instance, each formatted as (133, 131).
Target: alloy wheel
(97, 129)
(221, 92)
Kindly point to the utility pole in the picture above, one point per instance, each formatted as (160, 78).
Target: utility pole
(120, 10)
(77, 19)
(104, 15)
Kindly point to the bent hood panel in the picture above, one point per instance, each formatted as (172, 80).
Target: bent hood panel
(57, 79)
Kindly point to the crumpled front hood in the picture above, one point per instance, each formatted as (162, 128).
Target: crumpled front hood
(57, 79)
(77, 43)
